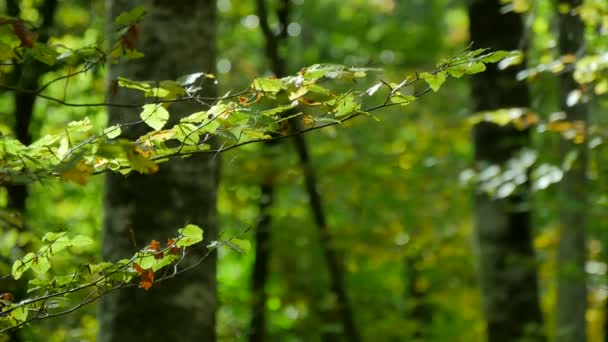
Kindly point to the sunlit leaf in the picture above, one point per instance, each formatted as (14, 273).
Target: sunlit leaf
(346, 105)
(20, 266)
(112, 131)
(41, 264)
(189, 235)
(155, 115)
(434, 80)
(51, 237)
(475, 67)
(267, 85)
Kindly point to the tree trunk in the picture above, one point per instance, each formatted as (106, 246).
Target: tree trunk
(177, 38)
(336, 271)
(259, 276)
(418, 309)
(571, 286)
(507, 269)
(27, 77)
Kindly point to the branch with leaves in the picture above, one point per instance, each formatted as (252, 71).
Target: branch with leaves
(50, 294)
(314, 95)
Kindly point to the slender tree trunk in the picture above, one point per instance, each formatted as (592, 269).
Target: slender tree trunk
(259, 277)
(263, 234)
(418, 308)
(571, 284)
(507, 270)
(177, 38)
(332, 260)
(336, 273)
(27, 77)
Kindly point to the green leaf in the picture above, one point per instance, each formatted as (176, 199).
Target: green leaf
(456, 71)
(20, 266)
(239, 245)
(403, 100)
(137, 85)
(50, 237)
(112, 131)
(189, 235)
(475, 67)
(494, 56)
(6, 51)
(277, 110)
(434, 80)
(19, 314)
(130, 17)
(186, 133)
(149, 261)
(267, 85)
(44, 53)
(81, 241)
(155, 115)
(60, 244)
(255, 134)
(346, 105)
(83, 125)
(41, 264)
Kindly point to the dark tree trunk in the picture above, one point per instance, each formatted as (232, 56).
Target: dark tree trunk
(571, 285)
(507, 269)
(177, 38)
(27, 77)
(259, 277)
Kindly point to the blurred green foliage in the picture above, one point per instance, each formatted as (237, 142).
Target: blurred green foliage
(396, 190)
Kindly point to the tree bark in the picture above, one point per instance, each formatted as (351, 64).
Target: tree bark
(507, 269)
(177, 38)
(571, 282)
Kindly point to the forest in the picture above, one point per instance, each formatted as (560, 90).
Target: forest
(303, 170)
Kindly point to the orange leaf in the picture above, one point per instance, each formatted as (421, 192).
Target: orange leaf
(129, 40)
(147, 279)
(147, 276)
(138, 268)
(7, 297)
(154, 245)
(24, 34)
(174, 249)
